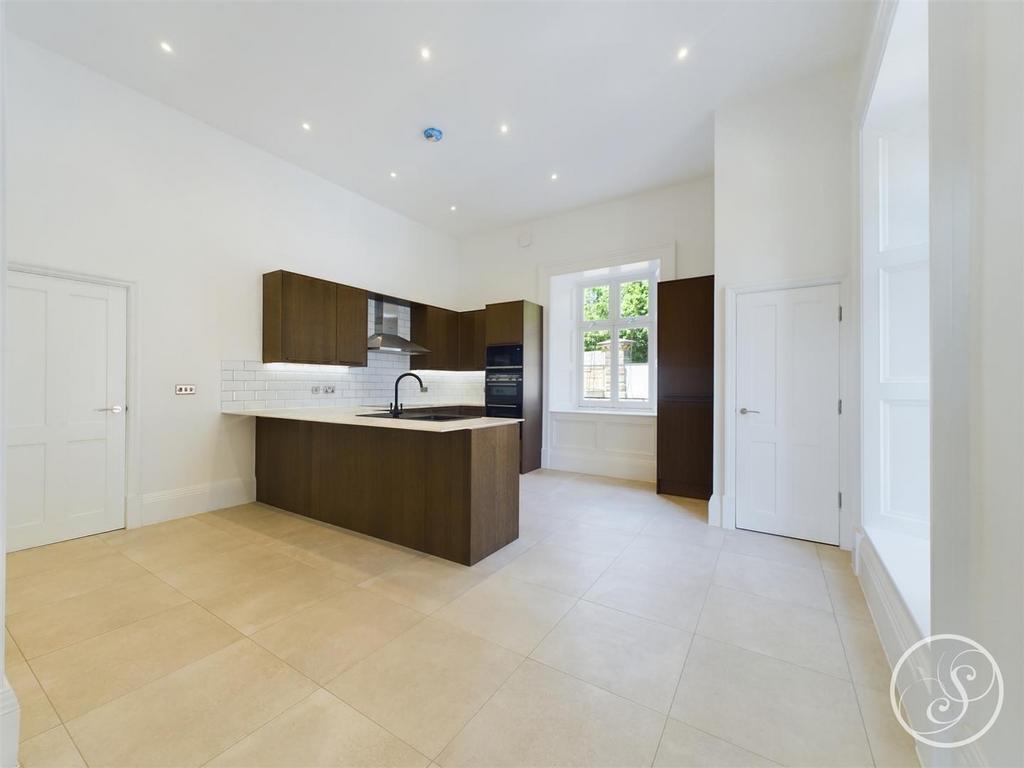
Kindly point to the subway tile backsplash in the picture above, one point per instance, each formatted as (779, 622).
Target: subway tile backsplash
(248, 385)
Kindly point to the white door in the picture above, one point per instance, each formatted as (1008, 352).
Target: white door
(65, 372)
(787, 421)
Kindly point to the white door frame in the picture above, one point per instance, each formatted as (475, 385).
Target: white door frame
(133, 435)
(846, 516)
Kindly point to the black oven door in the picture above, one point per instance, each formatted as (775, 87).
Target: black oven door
(503, 388)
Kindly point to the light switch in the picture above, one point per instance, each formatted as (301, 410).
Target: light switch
(184, 389)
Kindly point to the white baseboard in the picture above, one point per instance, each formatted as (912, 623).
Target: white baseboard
(715, 510)
(10, 716)
(893, 620)
(195, 499)
(610, 465)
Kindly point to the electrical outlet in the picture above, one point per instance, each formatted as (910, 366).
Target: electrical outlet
(315, 390)
(184, 389)
(329, 389)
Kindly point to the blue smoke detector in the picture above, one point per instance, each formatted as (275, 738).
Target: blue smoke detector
(433, 134)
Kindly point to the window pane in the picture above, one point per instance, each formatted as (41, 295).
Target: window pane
(634, 298)
(595, 303)
(597, 369)
(633, 364)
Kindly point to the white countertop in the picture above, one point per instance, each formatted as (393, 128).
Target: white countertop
(351, 416)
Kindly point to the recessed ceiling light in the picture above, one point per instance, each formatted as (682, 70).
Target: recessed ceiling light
(394, 174)
(425, 53)
(166, 47)
(307, 127)
(682, 53)
(503, 128)
(453, 207)
(554, 177)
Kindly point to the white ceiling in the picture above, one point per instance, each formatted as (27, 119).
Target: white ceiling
(592, 91)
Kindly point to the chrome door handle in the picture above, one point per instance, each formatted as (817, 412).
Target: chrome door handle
(113, 408)
(745, 411)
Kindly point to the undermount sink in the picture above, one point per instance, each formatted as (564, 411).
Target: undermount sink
(418, 417)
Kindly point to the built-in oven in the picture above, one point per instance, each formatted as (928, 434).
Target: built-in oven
(505, 356)
(503, 387)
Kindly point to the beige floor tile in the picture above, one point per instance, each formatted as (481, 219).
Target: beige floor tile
(56, 584)
(649, 553)
(666, 597)
(199, 542)
(834, 558)
(538, 527)
(316, 537)
(775, 548)
(591, 539)
(542, 717)
(682, 525)
(355, 559)
(685, 747)
(560, 569)
(242, 534)
(633, 657)
(12, 653)
(193, 714)
(787, 713)
(425, 584)
(37, 715)
(609, 513)
(51, 749)
(512, 613)
(427, 683)
(891, 746)
(787, 631)
(846, 596)
(261, 602)
(222, 572)
(147, 534)
(498, 560)
(868, 664)
(794, 584)
(243, 514)
(90, 673)
(50, 627)
(320, 731)
(330, 636)
(62, 555)
(268, 520)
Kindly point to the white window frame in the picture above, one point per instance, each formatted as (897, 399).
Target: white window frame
(613, 325)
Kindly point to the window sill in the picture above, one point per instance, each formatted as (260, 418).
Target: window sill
(606, 411)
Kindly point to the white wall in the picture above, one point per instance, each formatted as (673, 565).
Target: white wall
(494, 267)
(105, 181)
(673, 225)
(784, 186)
(976, 74)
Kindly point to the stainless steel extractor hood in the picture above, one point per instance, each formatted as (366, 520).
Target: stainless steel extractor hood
(385, 336)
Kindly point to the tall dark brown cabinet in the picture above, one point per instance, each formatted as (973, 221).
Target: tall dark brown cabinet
(686, 376)
(522, 323)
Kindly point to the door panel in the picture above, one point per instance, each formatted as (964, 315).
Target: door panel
(787, 380)
(66, 359)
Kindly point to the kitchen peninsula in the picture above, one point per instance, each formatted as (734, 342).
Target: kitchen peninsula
(445, 483)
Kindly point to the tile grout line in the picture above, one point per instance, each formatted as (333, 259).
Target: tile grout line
(682, 669)
(535, 646)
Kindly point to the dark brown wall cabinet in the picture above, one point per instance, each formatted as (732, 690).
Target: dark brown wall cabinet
(308, 320)
(686, 333)
(455, 339)
(522, 322)
(472, 340)
(436, 329)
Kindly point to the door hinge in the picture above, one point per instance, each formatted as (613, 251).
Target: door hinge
(840, 406)
(840, 499)
(840, 313)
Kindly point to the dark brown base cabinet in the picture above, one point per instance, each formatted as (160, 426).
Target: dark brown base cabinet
(450, 494)
(686, 319)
